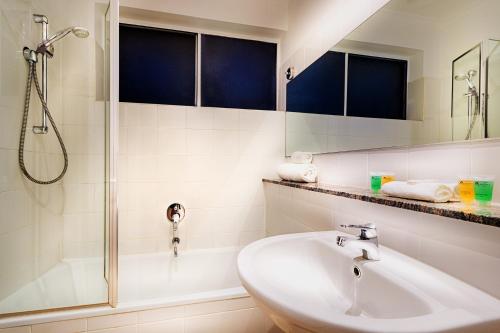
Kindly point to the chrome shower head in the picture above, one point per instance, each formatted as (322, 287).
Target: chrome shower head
(46, 47)
(468, 78)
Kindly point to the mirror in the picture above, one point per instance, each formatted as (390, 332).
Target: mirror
(416, 72)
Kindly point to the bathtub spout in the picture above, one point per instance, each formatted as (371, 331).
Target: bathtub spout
(175, 214)
(175, 242)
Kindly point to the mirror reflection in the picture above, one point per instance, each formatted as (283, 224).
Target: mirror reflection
(416, 72)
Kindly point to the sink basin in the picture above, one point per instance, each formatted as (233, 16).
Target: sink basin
(305, 282)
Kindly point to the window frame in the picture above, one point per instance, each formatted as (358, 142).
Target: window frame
(380, 56)
(201, 31)
(347, 53)
(196, 36)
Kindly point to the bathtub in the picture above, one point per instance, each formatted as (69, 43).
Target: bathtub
(162, 279)
(145, 281)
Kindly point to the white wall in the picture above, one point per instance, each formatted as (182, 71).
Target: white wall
(210, 160)
(263, 13)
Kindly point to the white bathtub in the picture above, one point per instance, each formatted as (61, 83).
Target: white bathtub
(162, 279)
(145, 281)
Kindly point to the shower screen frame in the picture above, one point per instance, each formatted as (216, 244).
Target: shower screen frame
(110, 269)
(486, 95)
(480, 87)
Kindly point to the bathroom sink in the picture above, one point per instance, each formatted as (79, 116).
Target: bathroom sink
(305, 282)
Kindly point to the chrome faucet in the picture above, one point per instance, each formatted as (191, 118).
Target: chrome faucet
(367, 240)
(175, 214)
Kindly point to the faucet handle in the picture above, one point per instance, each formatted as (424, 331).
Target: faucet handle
(367, 226)
(367, 231)
(175, 212)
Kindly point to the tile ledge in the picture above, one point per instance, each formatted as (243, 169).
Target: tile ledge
(487, 216)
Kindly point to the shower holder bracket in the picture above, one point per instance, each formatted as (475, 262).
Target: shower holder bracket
(30, 55)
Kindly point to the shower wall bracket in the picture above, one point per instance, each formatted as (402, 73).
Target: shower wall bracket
(42, 19)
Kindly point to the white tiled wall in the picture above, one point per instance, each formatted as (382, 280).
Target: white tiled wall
(439, 162)
(208, 159)
(238, 315)
(468, 251)
(326, 133)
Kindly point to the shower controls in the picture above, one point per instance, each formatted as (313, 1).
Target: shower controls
(175, 214)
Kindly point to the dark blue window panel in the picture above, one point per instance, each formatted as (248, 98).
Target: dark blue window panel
(238, 73)
(320, 87)
(157, 66)
(376, 87)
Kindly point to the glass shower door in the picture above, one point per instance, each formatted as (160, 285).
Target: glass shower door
(493, 89)
(466, 110)
(53, 237)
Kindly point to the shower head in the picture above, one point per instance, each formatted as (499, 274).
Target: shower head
(46, 47)
(468, 78)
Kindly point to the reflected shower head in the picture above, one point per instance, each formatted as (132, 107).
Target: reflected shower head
(46, 47)
(468, 78)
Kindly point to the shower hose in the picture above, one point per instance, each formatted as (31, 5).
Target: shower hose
(474, 119)
(33, 77)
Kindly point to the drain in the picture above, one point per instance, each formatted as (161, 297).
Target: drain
(356, 271)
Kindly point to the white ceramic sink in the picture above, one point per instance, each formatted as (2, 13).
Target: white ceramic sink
(305, 281)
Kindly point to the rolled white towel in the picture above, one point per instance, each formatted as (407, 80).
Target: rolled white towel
(426, 191)
(305, 173)
(302, 157)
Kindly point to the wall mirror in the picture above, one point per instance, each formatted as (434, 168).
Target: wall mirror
(416, 72)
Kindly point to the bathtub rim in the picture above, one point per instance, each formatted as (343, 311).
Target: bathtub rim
(140, 305)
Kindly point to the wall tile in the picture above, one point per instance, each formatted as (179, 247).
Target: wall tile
(439, 163)
(169, 326)
(171, 116)
(172, 141)
(19, 329)
(249, 320)
(68, 326)
(125, 329)
(200, 118)
(112, 321)
(226, 119)
(161, 314)
(394, 161)
(219, 306)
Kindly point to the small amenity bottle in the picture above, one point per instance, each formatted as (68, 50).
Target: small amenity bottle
(466, 190)
(483, 189)
(388, 177)
(375, 181)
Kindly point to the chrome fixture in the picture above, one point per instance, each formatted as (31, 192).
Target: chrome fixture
(46, 49)
(290, 74)
(472, 100)
(175, 214)
(367, 240)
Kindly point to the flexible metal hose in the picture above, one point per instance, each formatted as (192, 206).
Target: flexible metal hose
(33, 77)
(474, 118)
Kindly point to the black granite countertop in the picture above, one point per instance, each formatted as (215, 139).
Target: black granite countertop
(484, 215)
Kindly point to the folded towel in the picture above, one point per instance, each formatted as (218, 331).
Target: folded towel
(306, 173)
(426, 191)
(302, 157)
